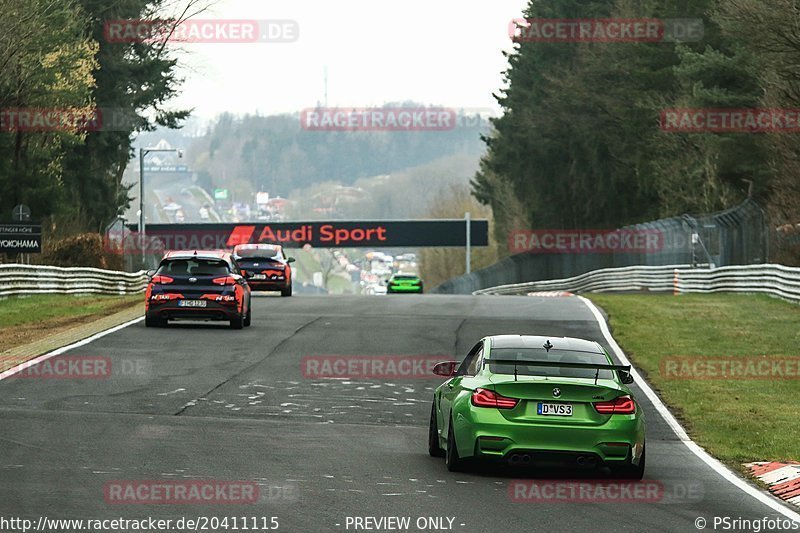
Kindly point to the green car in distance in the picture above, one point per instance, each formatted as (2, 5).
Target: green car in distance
(538, 401)
(401, 282)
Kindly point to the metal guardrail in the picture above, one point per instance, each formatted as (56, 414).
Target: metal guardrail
(737, 236)
(775, 280)
(37, 279)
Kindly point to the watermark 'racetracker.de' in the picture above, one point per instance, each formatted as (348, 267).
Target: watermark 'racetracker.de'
(369, 366)
(69, 120)
(605, 491)
(606, 30)
(50, 119)
(181, 492)
(730, 368)
(63, 367)
(580, 241)
(201, 31)
(378, 119)
(711, 120)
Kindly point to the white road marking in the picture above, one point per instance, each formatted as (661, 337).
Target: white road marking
(176, 391)
(59, 351)
(662, 410)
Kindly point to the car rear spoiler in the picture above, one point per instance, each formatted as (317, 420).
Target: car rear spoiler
(553, 364)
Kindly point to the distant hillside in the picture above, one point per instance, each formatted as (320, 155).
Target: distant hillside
(273, 153)
(410, 193)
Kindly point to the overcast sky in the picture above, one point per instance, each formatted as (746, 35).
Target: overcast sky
(442, 52)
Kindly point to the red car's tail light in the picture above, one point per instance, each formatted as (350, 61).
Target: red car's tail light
(162, 280)
(227, 280)
(619, 406)
(487, 398)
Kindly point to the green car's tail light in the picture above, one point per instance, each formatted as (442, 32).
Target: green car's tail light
(487, 398)
(162, 280)
(619, 406)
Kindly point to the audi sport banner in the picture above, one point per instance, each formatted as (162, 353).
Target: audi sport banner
(339, 234)
(20, 238)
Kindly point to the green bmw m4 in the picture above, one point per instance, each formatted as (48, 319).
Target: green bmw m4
(538, 401)
(410, 283)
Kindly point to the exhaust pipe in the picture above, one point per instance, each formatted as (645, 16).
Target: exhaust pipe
(519, 459)
(584, 460)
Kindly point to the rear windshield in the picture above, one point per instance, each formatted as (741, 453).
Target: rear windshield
(194, 267)
(553, 356)
(407, 277)
(259, 253)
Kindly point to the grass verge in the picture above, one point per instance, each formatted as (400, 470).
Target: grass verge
(28, 318)
(738, 420)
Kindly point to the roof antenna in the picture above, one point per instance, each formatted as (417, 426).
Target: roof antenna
(547, 345)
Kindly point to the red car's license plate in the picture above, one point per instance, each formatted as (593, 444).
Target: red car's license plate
(192, 303)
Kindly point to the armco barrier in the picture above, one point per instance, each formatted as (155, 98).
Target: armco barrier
(737, 236)
(37, 279)
(775, 280)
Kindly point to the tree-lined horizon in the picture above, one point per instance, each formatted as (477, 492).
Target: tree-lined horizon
(579, 143)
(54, 56)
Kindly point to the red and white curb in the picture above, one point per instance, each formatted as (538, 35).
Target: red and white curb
(783, 479)
(550, 294)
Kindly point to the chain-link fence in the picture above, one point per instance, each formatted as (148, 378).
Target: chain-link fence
(737, 236)
(120, 240)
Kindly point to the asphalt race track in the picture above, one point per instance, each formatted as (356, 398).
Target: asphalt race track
(204, 402)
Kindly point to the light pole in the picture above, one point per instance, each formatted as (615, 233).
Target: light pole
(142, 153)
(468, 219)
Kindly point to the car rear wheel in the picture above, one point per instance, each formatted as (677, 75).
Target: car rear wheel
(237, 322)
(153, 322)
(452, 460)
(434, 449)
(248, 318)
(287, 291)
(631, 471)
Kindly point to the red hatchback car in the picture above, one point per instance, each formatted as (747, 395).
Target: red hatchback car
(265, 266)
(197, 285)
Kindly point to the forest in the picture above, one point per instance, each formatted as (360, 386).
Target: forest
(581, 142)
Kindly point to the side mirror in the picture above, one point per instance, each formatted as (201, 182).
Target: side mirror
(150, 273)
(445, 369)
(290, 259)
(626, 377)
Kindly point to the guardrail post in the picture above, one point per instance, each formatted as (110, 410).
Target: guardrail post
(675, 290)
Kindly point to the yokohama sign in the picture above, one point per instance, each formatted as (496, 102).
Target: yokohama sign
(20, 238)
